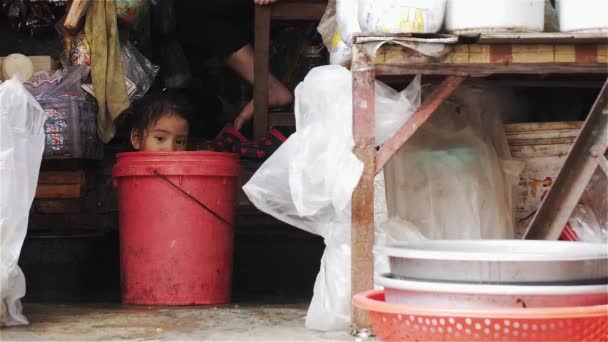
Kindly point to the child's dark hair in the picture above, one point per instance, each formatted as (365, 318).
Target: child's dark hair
(154, 106)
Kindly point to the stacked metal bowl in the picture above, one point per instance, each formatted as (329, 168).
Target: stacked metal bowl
(469, 274)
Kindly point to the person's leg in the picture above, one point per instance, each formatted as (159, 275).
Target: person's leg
(242, 62)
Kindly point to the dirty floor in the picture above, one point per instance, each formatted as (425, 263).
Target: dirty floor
(54, 322)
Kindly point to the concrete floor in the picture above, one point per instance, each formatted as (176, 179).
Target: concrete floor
(54, 322)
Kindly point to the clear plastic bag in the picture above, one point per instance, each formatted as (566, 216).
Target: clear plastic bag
(138, 69)
(21, 146)
(308, 182)
(72, 79)
(586, 225)
(589, 220)
(450, 181)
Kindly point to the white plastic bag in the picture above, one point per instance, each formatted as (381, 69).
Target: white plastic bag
(347, 16)
(401, 16)
(21, 147)
(308, 182)
(339, 52)
(393, 108)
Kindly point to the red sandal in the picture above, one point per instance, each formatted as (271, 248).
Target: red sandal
(264, 147)
(230, 140)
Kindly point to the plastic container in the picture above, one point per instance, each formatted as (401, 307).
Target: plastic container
(582, 15)
(71, 129)
(498, 261)
(458, 295)
(176, 226)
(401, 16)
(495, 16)
(392, 322)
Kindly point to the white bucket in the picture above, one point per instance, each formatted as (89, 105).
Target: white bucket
(582, 15)
(401, 16)
(491, 16)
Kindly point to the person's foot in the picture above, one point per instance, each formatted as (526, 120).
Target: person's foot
(278, 96)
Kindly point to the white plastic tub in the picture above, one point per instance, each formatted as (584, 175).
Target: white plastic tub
(401, 16)
(498, 261)
(446, 295)
(582, 15)
(495, 16)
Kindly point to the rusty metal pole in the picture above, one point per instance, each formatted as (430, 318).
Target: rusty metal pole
(575, 174)
(362, 259)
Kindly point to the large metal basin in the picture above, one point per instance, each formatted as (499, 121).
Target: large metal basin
(499, 261)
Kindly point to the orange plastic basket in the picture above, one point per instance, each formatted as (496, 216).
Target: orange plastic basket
(393, 322)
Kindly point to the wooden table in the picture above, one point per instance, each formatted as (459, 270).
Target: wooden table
(281, 10)
(461, 58)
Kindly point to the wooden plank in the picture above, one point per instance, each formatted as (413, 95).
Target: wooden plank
(499, 38)
(58, 206)
(60, 184)
(483, 70)
(574, 176)
(302, 10)
(543, 38)
(260, 78)
(75, 13)
(394, 143)
(57, 191)
(61, 177)
(362, 238)
(70, 222)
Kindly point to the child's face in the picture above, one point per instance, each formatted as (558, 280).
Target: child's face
(168, 134)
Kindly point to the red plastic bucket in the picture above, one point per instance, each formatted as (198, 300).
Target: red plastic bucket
(176, 226)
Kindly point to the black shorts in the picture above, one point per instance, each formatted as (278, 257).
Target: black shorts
(214, 28)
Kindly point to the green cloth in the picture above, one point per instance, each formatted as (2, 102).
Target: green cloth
(101, 30)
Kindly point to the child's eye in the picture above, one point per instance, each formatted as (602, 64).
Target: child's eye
(180, 142)
(160, 139)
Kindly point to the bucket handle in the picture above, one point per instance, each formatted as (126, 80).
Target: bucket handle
(163, 177)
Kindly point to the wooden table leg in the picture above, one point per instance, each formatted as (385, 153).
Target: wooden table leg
(575, 174)
(362, 259)
(261, 70)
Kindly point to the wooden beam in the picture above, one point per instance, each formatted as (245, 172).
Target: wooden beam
(575, 174)
(60, 184)
(393, 144)
(61, 177)
(75, 13)
(58, 191)
(362, 238)
(58, 206)
(486, 69)
(261, 70)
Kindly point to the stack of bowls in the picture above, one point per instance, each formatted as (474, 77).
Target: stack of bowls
(495, 274)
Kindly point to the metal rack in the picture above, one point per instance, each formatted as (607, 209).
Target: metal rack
(458, 58)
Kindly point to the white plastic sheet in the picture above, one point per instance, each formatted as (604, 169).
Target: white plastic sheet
(21, 147)
(308, 182)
